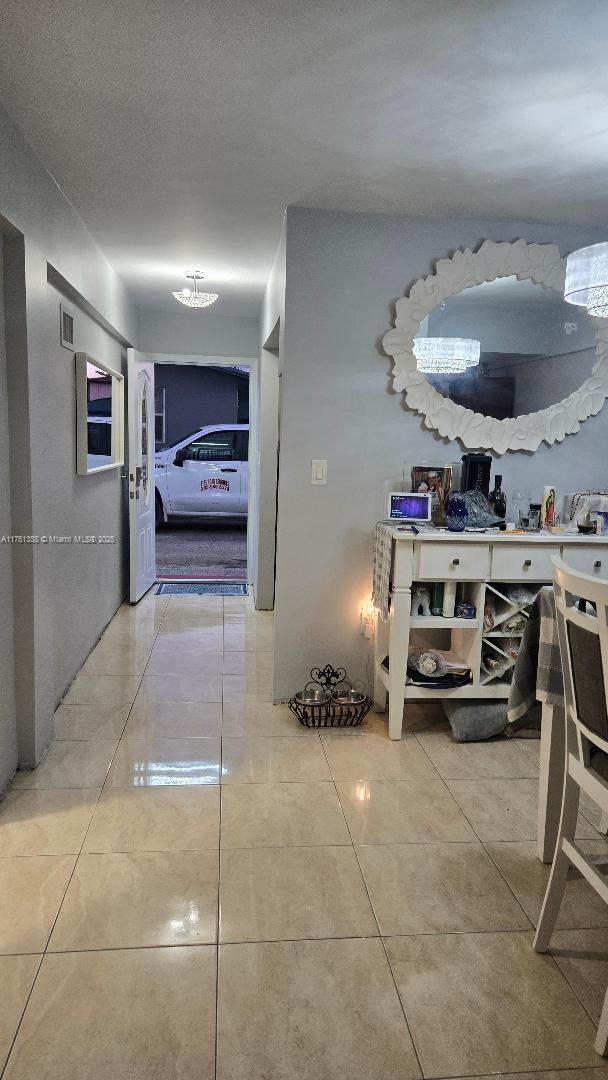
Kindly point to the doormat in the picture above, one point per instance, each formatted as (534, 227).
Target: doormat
(203, 588)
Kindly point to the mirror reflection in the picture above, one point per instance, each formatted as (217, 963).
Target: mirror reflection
(535, 348)
(99, 417)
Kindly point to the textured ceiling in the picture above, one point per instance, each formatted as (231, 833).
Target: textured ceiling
(180, 130)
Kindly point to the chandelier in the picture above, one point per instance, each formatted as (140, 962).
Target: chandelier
(194, 298)
(587, 279)
(446, 356)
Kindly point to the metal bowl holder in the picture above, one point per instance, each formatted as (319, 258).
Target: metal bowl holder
(330, 714)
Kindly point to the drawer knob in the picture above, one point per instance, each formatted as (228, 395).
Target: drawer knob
(527, 562)
(456, 562)
(597, 563)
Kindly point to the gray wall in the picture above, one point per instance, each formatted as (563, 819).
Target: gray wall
(8, 726)
(79, 585)
(64, 597)
(197, 333)
(196, 396)
(344, 273)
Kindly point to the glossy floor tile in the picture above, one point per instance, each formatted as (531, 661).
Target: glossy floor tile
(119, 1014)
(155, 819)
(17, 974)
(302, 1010)
(435, 888)
(273, 894)
(32, 888)
(267, 760)
(528, 878)
(51, 822)
(174, 720)
(504, 809)
(90, 721)
(141, 898)
(180, 688)
(582, 955)
(281, 815)
(402, 811)
(262, 718)
(482, 1003)
(502, 758)
(71, 764)
(166, 763)
(203, 811)
(102, 690)
(376, 757)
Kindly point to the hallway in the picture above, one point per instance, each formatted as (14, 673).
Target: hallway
(375, 900)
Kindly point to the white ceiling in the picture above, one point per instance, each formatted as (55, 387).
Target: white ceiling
(179, 129)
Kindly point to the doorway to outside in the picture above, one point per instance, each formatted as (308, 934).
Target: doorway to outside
(201, 428)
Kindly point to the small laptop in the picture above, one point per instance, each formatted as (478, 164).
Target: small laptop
(409, 506)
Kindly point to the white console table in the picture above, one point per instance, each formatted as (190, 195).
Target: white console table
(481, 562)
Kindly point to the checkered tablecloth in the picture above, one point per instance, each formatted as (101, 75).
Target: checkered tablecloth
(537, 675)
(383, 553)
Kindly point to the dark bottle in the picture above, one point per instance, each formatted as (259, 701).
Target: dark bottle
(497, 499)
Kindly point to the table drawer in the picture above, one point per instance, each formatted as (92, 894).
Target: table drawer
(587, 560)
(460, 562)
(523, 562)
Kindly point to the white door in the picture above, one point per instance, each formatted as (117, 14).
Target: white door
(142, 537)
(205, 477)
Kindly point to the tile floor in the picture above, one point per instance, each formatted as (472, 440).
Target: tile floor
(194, 886)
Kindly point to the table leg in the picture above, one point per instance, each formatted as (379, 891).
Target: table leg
(399, 633)
(551, 780)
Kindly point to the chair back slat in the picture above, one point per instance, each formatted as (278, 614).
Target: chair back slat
(583, 639)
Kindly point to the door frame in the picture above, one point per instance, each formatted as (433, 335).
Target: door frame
(251, 362)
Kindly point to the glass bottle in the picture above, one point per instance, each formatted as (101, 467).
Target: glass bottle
(497, 499)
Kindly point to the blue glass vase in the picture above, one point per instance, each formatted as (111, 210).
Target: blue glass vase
(456, 512)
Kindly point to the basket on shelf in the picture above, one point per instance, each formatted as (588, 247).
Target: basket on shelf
(329, 700)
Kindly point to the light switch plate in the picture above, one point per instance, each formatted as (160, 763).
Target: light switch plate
(318, 471)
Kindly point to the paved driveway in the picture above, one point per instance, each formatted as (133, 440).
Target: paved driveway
(190, 549)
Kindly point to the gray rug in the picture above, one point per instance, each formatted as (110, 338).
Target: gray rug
(203, 588)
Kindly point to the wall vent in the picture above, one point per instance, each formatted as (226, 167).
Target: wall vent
(67, 327)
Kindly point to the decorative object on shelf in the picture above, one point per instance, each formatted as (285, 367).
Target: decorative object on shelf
(437, 589)
(540, 264)
(192, 298)
(476, 470)
(439, 355)
(479, 511)
(497, 499)
(587, 525)
(464, 610)
(586, 283)
(329, 700)
(547, 507)
(534, 516)
(435, 480)
(449, 599)
(489, 613)
(421, 599)
(456, 513)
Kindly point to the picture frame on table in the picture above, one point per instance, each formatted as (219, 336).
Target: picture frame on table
(436, 479)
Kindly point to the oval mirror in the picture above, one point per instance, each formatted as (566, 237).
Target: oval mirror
(488, 350)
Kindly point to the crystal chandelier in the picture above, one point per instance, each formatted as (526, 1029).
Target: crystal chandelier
(587, 279)
(195, 299)
(446, 356)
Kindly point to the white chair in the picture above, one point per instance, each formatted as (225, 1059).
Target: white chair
(583, 639)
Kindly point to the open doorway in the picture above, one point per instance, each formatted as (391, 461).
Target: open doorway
(201, 470)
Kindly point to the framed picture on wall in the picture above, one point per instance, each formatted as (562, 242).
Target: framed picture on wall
(436, 480)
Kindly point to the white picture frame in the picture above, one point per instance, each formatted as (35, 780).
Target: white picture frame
(84, 459)
(541, 264)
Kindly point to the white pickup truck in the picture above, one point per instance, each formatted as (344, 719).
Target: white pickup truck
(205, 475)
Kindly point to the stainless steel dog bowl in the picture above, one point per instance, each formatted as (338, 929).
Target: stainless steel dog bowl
(347, 697)
(312, 697)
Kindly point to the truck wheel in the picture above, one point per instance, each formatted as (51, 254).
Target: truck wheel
(159, 516)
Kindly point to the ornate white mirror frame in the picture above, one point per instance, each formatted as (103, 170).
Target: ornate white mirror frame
(543, 265)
